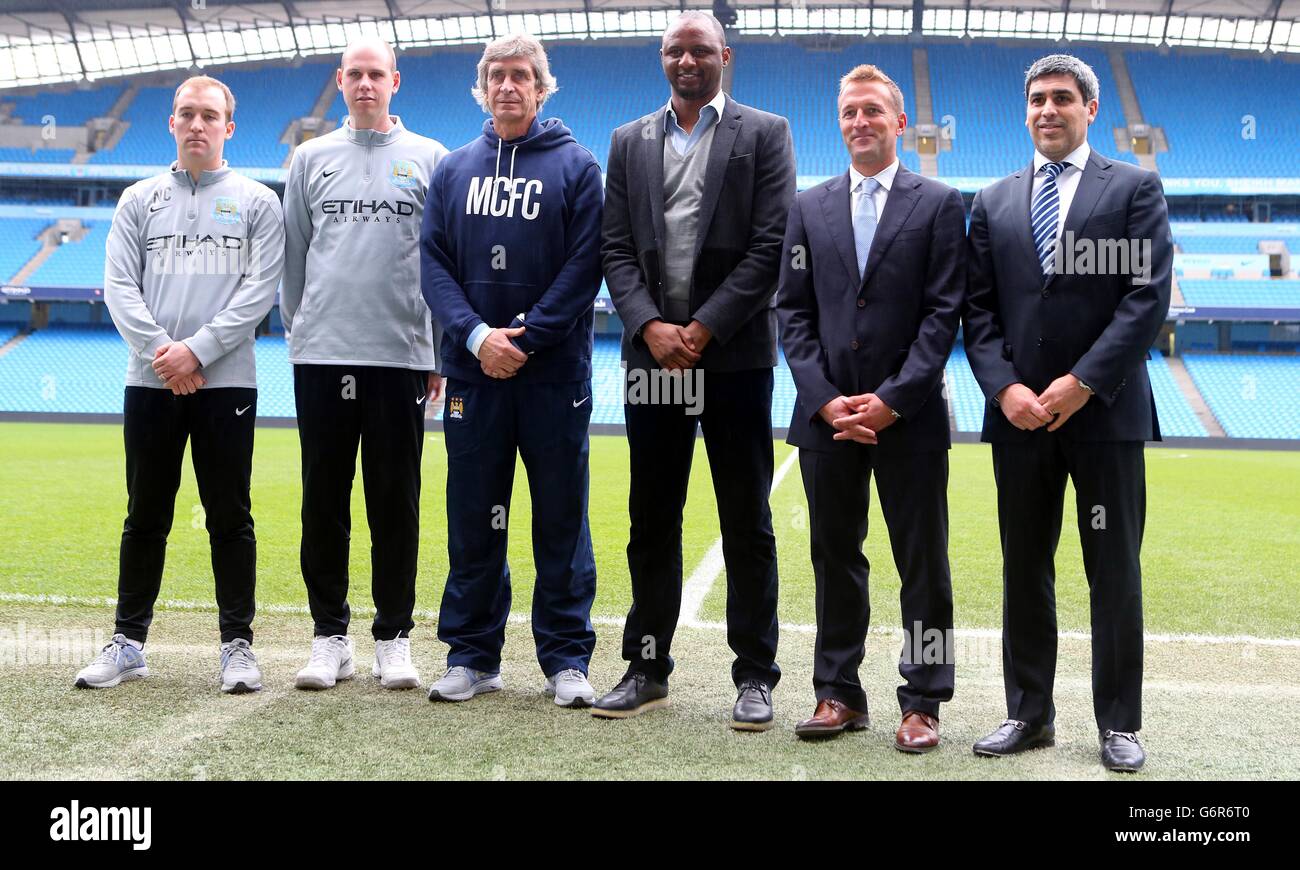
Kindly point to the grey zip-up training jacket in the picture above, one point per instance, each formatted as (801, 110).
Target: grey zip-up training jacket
(194, 262)
(353, 206)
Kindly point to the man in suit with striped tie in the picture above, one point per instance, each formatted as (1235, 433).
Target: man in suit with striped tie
(1058, 336)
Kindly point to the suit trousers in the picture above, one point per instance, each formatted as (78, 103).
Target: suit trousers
(218, 423)
(1110, 499)
(913, 489)
(736, 418)
(341, 407)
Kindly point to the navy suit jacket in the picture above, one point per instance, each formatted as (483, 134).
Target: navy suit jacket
(1100, 327)
(887, 332)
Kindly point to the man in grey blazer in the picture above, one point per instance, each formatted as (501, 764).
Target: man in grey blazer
(696, 198)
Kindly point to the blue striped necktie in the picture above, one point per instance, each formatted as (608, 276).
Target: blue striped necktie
(1043, 216)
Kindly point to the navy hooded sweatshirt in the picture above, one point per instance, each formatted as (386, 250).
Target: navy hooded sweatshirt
(513, 228)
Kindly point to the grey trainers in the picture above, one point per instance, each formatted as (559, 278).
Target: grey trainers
(461, 684)
(239, 671)
(570, 689)
(116, 662)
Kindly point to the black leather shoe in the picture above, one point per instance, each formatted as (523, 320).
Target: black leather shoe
(1120, 750)
(635, 694)
(753, 710)
(1015, 736)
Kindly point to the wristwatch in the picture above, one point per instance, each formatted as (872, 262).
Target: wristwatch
(1087, 389)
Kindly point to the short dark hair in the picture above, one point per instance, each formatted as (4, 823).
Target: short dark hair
(1064, 64)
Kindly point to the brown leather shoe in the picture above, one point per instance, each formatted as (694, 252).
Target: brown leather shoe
(830, 718)
(919, 732)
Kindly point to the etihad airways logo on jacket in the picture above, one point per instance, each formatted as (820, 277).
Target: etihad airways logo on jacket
(365, 211)
(497, 197)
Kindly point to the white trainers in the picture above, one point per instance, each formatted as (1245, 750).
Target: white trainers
(331, 660)
(461, 684)
(393, 664)
(570, 689)
(239, 671)
(116, 662)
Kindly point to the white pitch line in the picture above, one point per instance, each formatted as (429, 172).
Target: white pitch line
(618, 621)
(702, 578)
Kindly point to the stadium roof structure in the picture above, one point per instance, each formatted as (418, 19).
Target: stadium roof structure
(53, 41)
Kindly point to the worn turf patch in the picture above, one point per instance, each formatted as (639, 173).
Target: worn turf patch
(177, 725)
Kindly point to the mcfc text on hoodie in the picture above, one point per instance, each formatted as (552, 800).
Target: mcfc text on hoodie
(512, 235)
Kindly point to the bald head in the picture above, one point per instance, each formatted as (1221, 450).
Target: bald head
(695, 18)
(368, 78)
(368, 49)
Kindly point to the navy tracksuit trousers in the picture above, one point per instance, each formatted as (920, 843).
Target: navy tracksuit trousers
(485, 425)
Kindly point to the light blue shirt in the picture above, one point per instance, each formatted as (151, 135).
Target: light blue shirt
(709, 115)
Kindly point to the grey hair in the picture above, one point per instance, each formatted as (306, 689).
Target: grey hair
(1065, 64)
(512, 46)
(706, 18)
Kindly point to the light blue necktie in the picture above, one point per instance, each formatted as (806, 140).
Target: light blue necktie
(1044, 214)
(864, 222)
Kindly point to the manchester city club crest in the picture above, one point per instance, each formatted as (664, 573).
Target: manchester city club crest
(225, 210)
(456, 408)
(402, 174)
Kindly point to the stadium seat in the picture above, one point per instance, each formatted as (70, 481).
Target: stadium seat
(18, 244)
(75, 264)
(1251, 396)
(803, 83)
(1203, 102)
(981, 87)
(1257, 293)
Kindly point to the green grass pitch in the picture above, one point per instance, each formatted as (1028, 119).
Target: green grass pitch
(1220, 559)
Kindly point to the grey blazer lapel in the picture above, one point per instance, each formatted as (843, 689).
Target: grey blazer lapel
(652, 156)
(724, 137)
(835, 204)
(898, 206)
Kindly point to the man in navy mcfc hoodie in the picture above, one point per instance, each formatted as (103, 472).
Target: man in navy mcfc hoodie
(510, 266)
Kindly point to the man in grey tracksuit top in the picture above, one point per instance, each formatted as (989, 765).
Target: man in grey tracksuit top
(192, 262)
(362, 345)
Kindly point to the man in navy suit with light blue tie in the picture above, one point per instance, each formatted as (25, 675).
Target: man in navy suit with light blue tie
(871, 289)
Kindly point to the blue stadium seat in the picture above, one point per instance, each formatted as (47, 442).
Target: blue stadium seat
(81, 368)
(70, 109)
(40, 155)
(65, 369)
(982, 88)
(803, 84)
(1258, 293)
(18, 244)
(261, 116)
(76, 264)
(1201, 101)
(1177, 419)
(967, 398)
(1251, 396)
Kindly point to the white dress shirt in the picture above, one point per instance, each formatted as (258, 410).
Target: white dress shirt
(1067, 182)
(886, 179)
